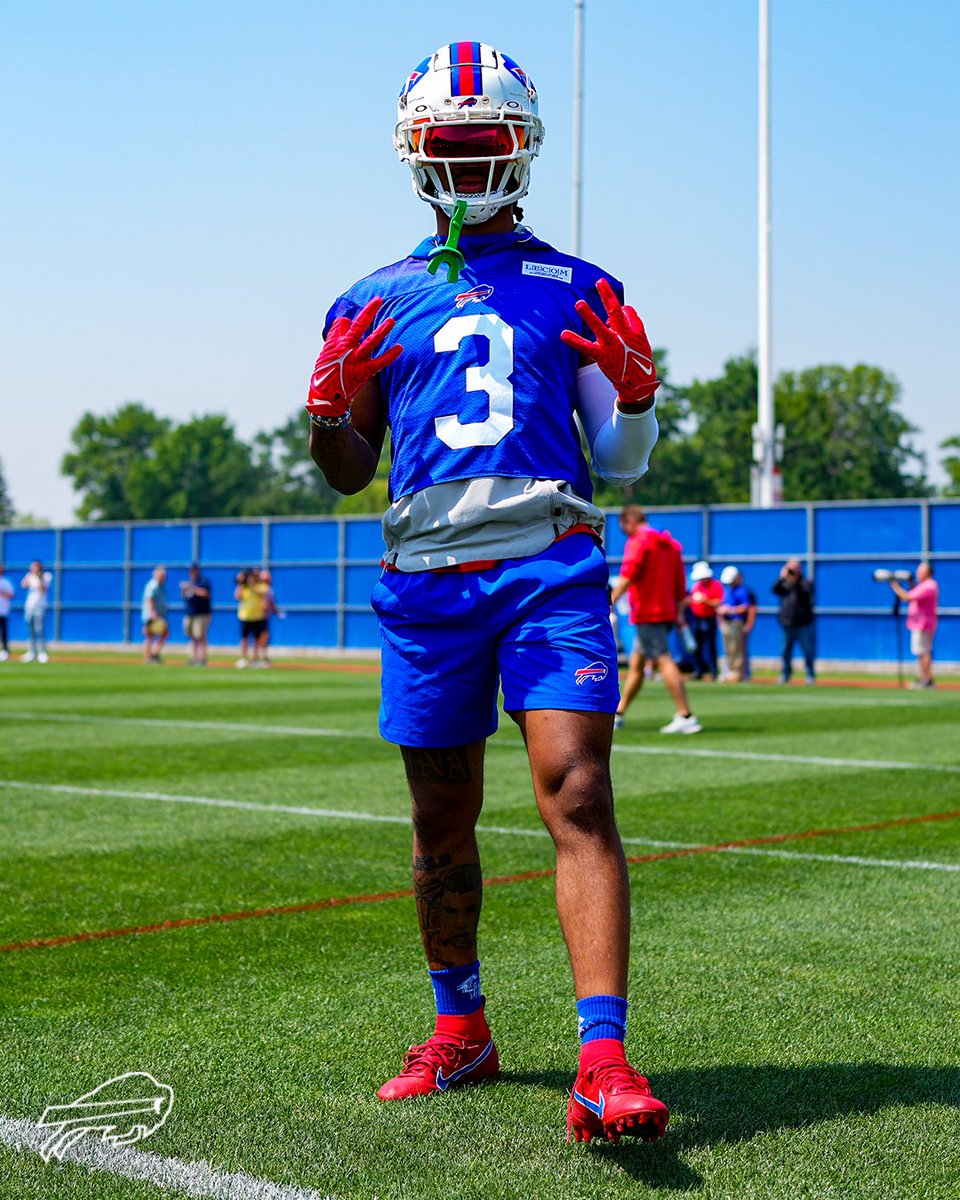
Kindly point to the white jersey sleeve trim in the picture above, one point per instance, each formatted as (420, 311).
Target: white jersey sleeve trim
(620, 443)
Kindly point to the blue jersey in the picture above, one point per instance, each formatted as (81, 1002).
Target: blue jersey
(484, 387)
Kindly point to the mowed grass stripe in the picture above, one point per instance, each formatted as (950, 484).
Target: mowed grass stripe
(672, 749)
(527, 876)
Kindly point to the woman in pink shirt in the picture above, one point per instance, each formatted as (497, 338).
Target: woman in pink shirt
(921, 620)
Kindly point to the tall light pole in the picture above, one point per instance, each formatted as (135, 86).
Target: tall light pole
(764, 439)
(578, 8)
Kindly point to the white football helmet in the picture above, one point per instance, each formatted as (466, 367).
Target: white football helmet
(468, 104)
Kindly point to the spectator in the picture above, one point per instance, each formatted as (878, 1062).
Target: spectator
(37, 582)
(250, 594)
(732, 615)
(270, 609)
(153, 613)
(198, 612)
(706, 596)
(796, 619)
(922, 600)
(6, 598)
(748, 623)
(652, 578)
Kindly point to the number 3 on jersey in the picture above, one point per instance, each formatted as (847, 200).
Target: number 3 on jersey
(493, 378)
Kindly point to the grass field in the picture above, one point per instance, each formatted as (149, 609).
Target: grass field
(795, 1001)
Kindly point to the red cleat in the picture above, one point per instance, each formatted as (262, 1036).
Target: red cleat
(610, 1099)
(444, 1061)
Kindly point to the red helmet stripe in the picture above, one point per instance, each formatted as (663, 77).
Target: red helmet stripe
(462, 75)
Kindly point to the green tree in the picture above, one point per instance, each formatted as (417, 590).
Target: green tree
(722, 412)
(845, 438)
(951, 464)
(288, 481)
(105, 449)
(672, 463)
(197, 469)
(7, 512)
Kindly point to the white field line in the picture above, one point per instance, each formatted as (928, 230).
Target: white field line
(198, 1179)
(671, 747)
(335, 814)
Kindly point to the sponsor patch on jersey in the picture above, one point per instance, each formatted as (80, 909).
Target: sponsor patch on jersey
(483, 291)
(597, 671)
(549, 271)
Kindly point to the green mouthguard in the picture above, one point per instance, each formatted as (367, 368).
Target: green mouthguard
(448, 253)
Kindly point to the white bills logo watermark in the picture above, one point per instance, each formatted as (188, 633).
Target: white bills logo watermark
(122, 1111)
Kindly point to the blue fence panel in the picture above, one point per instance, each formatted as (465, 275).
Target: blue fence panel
(324, 570)
(304, 541)
(759, 577)
(90, 625)
(160, 545)
(305, 585)
(361, 631)
(778, 531)
(22, 546)
(851, 584)
(358, 583)
(94, 545)
(304, 629)
(946, 645)
(364, 539)
(684, 525)
(945, 528)
(92, 587)
(866, 529)
(240, 543)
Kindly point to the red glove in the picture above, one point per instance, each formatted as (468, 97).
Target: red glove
(622, 349)
(345, 365)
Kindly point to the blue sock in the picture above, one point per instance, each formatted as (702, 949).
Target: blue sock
(457, 990)
(602, 1017)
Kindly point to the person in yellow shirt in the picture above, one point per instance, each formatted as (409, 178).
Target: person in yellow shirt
(251, 597)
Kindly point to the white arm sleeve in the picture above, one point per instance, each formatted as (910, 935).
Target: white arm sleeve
(620, 443)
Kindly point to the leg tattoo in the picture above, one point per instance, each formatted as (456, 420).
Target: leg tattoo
(448, 908)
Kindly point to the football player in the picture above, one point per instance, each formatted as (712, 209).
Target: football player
(494, 574)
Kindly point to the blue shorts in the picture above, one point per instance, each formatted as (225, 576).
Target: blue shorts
(538, 626)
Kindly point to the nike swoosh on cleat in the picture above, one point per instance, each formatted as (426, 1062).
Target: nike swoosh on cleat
(594, 1107)
(444, 1081)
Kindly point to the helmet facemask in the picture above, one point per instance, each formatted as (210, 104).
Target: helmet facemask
(441, 136)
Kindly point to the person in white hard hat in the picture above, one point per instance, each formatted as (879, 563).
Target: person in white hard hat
(732, 614)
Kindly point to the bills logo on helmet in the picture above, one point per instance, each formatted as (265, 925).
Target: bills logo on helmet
(470, 102)
(415, 76)
(520, 75)
(597, 671)
(483, 291)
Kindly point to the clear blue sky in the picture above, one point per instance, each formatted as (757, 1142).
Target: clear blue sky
(190, 183)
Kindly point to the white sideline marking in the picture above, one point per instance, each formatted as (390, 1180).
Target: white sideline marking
(671, 748)
(813, 760)
(337, 814)
(198, 1179)
(181, 723)
(853, 860)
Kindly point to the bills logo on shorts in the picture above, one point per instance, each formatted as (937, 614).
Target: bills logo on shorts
(597, 671)
(483, 291)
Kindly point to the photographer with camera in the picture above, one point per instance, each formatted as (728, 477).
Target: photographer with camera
(796, 619)
(250, 593)
(922, 600)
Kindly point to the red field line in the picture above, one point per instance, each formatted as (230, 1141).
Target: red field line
(496, 880)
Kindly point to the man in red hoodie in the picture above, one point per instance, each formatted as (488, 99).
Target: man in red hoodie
(653, 578)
